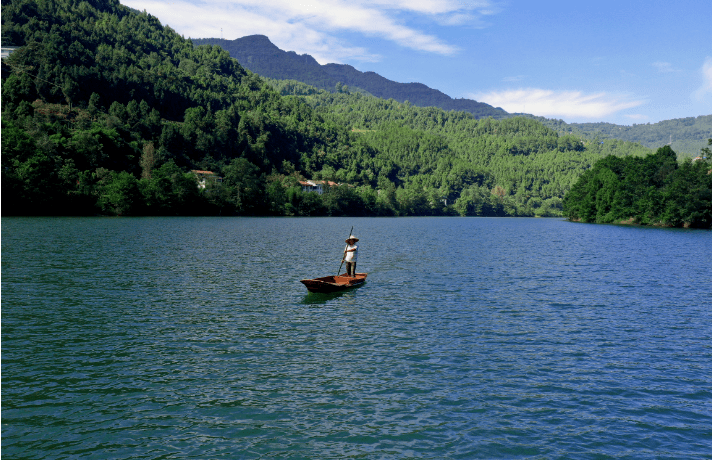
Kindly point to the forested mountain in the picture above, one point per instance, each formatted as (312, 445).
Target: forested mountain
(686, 136)
(106, 111)
(493, 167)
(258, 54)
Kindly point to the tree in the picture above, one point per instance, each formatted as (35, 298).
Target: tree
(688, 197)
(148, 160)
(652, 190)
(276, 197)
(477, 201)
(170, 191)
(93, 107)
(245, 186)
(120, 195)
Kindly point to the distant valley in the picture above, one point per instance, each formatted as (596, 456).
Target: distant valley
(259, 55)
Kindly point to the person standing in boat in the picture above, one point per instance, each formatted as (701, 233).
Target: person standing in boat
(350, 255)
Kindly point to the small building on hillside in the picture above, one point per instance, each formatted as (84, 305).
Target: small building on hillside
(7, 51)
(311, 186)
(206, 177)
(316, 186)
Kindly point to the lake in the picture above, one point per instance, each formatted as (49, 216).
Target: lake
(167, 338)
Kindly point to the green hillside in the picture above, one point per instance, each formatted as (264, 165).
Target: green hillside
(258, 54)
(685, 135)
(530, 164)
(99, 99)
(105, 111)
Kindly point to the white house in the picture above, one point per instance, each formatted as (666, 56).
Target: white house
(316, 185)
(206, 176)
(311, 186)
(7, 50)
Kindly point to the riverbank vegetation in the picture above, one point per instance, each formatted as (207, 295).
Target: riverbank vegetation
(650, 190)
(106, 111)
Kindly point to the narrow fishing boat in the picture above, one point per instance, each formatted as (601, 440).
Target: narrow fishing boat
(335, 283)
(346, 280)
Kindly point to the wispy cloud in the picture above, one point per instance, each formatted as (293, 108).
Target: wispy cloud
(637, 116)
(549, 103)
(235, 21)
(461, 20)
(430, 6)
(706, 89)
(513, 78)
(311, 26)
(665, 67)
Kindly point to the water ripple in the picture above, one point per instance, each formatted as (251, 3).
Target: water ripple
(473, 338)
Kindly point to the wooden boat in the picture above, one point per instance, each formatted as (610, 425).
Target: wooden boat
(334, 283)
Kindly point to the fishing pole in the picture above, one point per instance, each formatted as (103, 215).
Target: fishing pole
(344, 256)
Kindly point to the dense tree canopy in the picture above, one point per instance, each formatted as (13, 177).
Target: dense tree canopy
(652, 190)
(107, 111)
(440, 154)
(94, 87)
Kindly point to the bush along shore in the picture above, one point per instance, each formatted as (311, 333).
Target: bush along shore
(652, 190)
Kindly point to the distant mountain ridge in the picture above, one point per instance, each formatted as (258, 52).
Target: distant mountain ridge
(686, 136)
(259, 55)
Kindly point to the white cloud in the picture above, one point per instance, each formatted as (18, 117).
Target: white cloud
(237, 21)
(548, 103)
(706, 88)
(665, 67)
(309, 26)
(637, 116)
(430, 6)
(458, 20)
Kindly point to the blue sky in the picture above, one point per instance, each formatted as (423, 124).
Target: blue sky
(622, 62)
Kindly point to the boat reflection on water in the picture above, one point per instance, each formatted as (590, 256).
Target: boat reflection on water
(319, 298)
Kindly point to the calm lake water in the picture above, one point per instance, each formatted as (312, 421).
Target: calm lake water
(166, 338)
